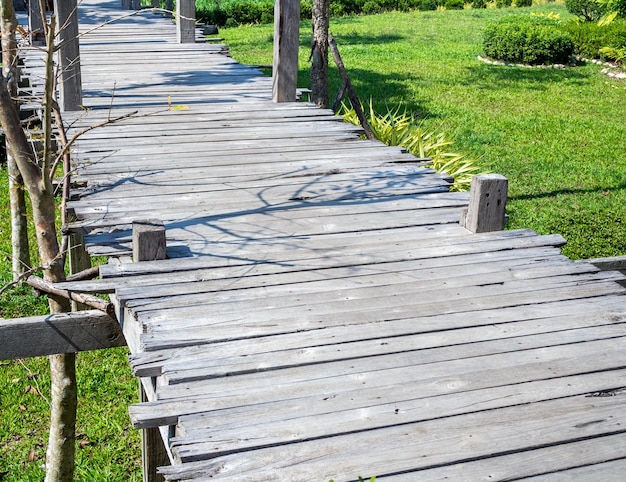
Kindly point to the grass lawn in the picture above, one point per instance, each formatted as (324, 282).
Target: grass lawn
(558, 135)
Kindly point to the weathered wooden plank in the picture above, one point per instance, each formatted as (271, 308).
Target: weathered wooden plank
(590, 454)
(425, 444)
(212, 279)
(58, 333)
(556, 316)
(304, 391)
(519, 239)
(197, 329)
(241, 364)
(395, 287)
(222, 433)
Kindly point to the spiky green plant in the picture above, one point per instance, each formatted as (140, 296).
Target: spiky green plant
(399, 128)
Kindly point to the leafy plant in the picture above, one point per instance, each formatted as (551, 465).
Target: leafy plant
(523, 3)
(588, 10)
(590, 37)
(527, 39)
(399, 128)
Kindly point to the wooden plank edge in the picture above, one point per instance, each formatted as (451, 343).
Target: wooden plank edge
(58, 333)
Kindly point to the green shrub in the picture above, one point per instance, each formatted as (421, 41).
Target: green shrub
(523, 3)
(589, 37)
(589, 10)
(372, 7)
(528, 40)
(503, 3)
(454, 4)
(479, 4)
(425, 5)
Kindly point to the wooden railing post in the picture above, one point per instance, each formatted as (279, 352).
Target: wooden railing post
(486, 210)
(149, 245)
(186, 21)
(148, 240)
(286, 45)
(35, 24)
(70, 87)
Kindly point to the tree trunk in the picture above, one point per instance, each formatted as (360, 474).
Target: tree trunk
(60, 454)
(19, 224)
(319, 53)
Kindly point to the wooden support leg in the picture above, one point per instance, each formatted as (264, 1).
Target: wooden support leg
(487, 204)
(149, 245)
(153, 452)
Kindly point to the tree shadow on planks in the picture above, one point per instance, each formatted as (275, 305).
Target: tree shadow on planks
(270, 217)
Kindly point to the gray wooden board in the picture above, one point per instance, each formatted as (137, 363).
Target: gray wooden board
(427, 443)
(609, 471)
(198, 329)
(419, 373)
(246, 233)
(392, 212)
(223, 278)
(297, 186)
(223, 432)
(590, 455)
(393, 286)
(563, 315)
(345, 350)
(503, 241)
(324, 251)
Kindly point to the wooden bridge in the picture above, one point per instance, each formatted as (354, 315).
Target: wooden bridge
(321, 313)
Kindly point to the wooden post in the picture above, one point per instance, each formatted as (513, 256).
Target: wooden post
(71, 89)
(186, 21)
(153, 452)
(149, 245)
(127, 4)
(487, 204)
(286, 45)
(148, 240)
(35, 24)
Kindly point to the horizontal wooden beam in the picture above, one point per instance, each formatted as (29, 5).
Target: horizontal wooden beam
(58, 333)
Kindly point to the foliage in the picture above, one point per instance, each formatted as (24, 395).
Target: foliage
(503, 3)
(523, 3)
(398, 128)
(588, 10)
(527, 39)
(589, 37)
(454, 4)
(614, 54)
(479, 4)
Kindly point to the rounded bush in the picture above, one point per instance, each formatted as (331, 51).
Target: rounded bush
(527, 40)
(479, 4)
(503, 3)
(523, 3)
(590, 10)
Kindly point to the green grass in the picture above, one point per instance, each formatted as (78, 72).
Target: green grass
(557, 135)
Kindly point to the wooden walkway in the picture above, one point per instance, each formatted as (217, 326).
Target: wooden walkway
(322, 314)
